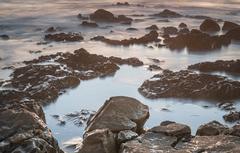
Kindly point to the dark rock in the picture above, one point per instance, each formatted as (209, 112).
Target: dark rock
(89, 24)
(64, 37)
(184, 31)
(152, 27)
(227, 106)
(150, 37)
(4, 37)
(232, 66)
(35, 51)
(187, 84)
(182, 25)
(132, 29)
(122, 4)
(170, 30)
(98, 141)
(114, 115)
(211, 129)
(129, 61)
(229, 26)
(235, 130)
(80, 16)
(168, 14)
(232, 116)
(51, 29)
(209, 25)
(173, 129)
(233, 34)
(154, 68)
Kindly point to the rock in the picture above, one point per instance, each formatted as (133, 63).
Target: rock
(227, 106)
(197, 41)
(126, 135)
(51, 29)
(152, 27)
(64, 37)
(154, 68)
(102, 15)
(211, 129)
(229, 26)
(173, 129)
(80, 16)
(184, 31)
(89, 24)
(98, 141)
(235, 130)
(35, 51)
(129, 61)
(118, 114)
(122, 4)
(209, 25)
(188, 84)
(231, 66)
(4, 37)
(150, 37)
(232, 116)
(182, 25)
(168, 14)
(233, 34)
(132, 29)
(170, 30)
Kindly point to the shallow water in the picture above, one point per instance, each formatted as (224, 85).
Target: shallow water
(25, 23)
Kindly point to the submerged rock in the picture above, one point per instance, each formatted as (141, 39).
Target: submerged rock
(89, 24)
(64, 37)
(188, 84)
(233, 34)
(168, 14)
(122, 4)
(4, 37)
(51, 29)
(227, 25)
(114, 115)
(152, 27)
(209, 25)
(232, 66)
(150, 37)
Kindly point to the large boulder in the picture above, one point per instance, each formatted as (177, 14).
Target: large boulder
(211, 129)
(209, 25)
(227, 25)
(98, 141)
(118, 114)
(102, 15)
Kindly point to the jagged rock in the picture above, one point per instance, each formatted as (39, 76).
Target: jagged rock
(126, 135)
(209, 25)
(98, 141)
(233, 34)
(89, 24)
(232, 116)
(152, 27)
(4, 37)
(211, 129)
(168, 14)
(170, 30)
(188, 84)
(227, 25)
(173, 129)
(64, 37)
(197, 41)
(118, 114)
(150, 37)
(232, 66)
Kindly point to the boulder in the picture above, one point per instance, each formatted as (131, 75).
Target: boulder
(118, 114)
(168, 14)
(227, 25)
(170, 30)
(98, 141)
(188, 84)
(232, 116)
(209, 25)
(211, 129)
(182, 25)
(235, 130)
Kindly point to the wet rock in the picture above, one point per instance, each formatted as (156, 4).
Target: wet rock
(129, 61)
(126, 135)
(184, 31)
(235, 130)
(231, 66)
(170, 30)
(168, 14)
(4, 37)
(173, 129)
(209, 25)
(89, 24)
(188, 84)
(118, 114)
(51, 29)
(102, 15)
(64, 37)
(132, 29)
(233, 34)
(227, 106)
(154, 68)
(211, 129)
(152, 27)
(122, 4)
(98, 141)
(150, 37)
(232, 116)
(227, 25)
(197, 41)
(35, 51)
(182, 25)
(80, 16)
